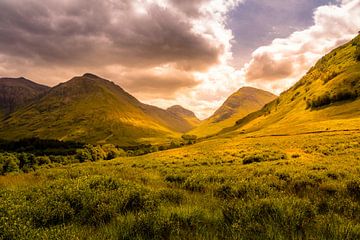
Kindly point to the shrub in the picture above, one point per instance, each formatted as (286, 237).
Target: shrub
(42, 160)
(9, 163)
(113, 152)
(253, 158)
(97, 153)
(171, 196)
(327, 98)
(353, 188)
(178, 179)
(225, 192)
(194, 184)
(267, 155)
(83, 155)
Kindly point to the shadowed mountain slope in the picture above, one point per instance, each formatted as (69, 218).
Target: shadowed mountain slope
(16, 92)
(184, 113)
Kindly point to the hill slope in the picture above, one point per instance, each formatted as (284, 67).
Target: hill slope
(15, 92)
(92, 109)
(186, 114)
(326, 98)
(238, 105)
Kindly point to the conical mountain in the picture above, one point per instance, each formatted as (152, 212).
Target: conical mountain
(91, 109)
(238, 105)
(16, 92)
(325, 99)
(184, 113)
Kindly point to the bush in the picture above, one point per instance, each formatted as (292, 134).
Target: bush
(42, 160)
(267, 155)
(171, 196)
(353, 188)
(179, 179)
(253, 158)
(327, 98)
(97, 153)
(9, 163)
(113, 152)
(83, 155)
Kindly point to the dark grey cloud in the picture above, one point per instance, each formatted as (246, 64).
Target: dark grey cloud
(103, 32)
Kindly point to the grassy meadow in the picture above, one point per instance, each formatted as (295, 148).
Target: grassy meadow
(300, 186)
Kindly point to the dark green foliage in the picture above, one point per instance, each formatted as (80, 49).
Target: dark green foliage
(328, 98)
(353, 188)
(171, 196)
(40, 146)
(175, 179)
(142, 149)
(9, 163)
(357, 52)
(24, 156)
(267, 155)
(189, 139)
(254, 158)
(83, 155)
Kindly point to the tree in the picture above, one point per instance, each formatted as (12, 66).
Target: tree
(112, 151)
(97, 153)
(83, 155)
(189, 139)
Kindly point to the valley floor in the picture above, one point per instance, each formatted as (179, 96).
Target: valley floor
(304, 186)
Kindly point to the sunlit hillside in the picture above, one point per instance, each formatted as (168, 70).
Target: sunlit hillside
(327, 98)
(246, 100)
(93, 110)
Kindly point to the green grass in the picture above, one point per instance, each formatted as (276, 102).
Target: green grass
(305, 186)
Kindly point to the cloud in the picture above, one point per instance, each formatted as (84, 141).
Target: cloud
(156, 49)
(279, 65)
(147, 46)
(150, 82)
(93, 33)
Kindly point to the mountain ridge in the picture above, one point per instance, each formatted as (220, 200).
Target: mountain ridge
(92, 109)
(16, 92)
(327, 94)
(237, 105)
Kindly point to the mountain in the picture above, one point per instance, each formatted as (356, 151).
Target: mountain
(184, 113)
(16, 92)
(327, 98)
(91, 109)
(238, 105)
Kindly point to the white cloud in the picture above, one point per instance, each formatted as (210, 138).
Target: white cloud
(279, 65)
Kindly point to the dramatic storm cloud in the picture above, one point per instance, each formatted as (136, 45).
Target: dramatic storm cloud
(168, 51)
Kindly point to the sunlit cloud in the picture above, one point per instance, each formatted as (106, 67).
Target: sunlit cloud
(279, 65)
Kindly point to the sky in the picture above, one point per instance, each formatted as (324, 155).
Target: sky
(165, 52)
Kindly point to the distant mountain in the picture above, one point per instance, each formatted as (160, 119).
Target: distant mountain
(16, 92)
(184, 113)
(238, 105)
(91, 109)
(326, 98)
